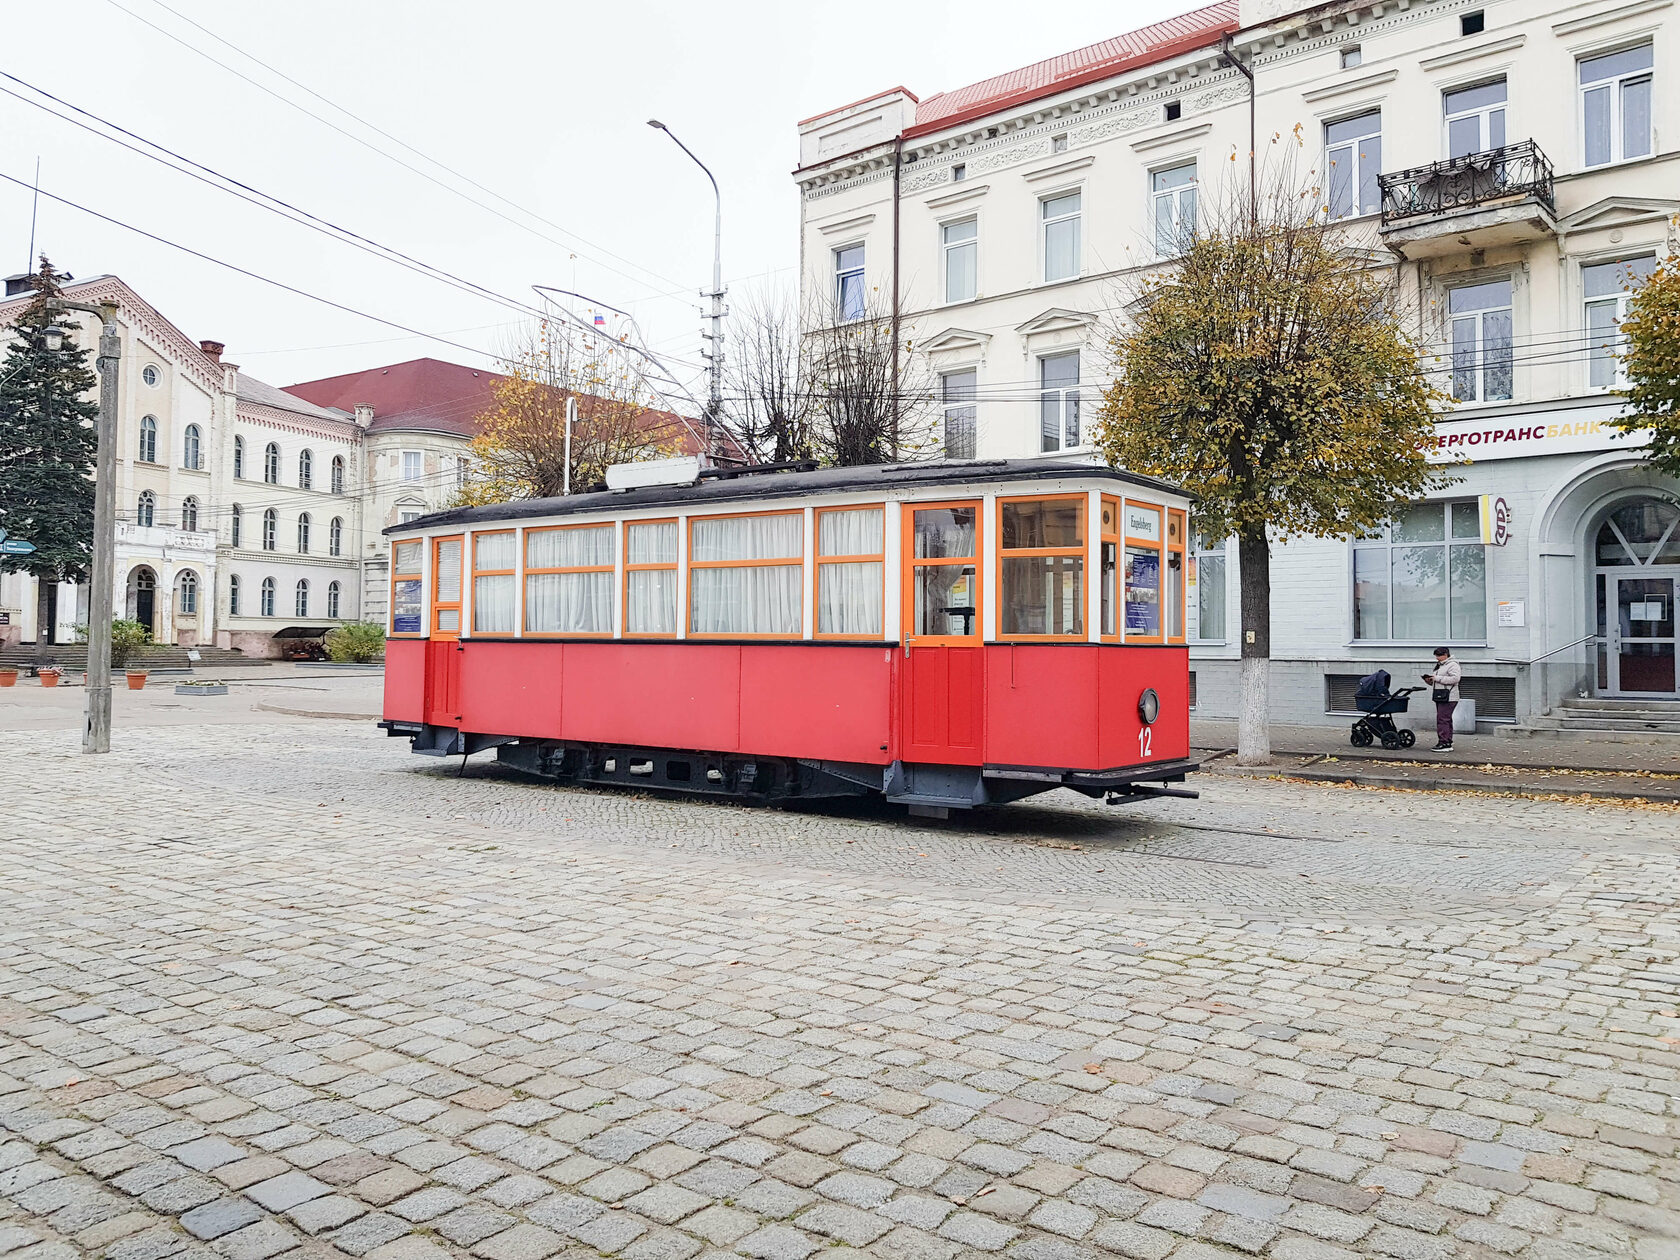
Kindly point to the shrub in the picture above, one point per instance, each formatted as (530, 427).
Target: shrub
(127, 638)
(356, 643)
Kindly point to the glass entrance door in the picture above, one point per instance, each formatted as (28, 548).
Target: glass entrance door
(944, 663)
(1641, 634)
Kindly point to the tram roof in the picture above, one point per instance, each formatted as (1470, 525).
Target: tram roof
(747, 485)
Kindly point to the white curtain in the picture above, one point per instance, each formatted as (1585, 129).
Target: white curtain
(495, 551)
(849, 598)
(569, 548)
(779, 537)
(493, 603)
(749, 599)
(855, 532)
(654, 543)
(569, 603)
(652, 606)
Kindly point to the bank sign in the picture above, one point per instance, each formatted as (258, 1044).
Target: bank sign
(1548, 433)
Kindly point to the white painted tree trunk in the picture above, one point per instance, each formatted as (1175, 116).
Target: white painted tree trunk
(1254, 735)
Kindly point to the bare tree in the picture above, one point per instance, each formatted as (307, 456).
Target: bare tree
(773, 413)
(873, 401)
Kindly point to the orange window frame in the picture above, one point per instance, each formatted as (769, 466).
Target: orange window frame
(907, 549)
(629, 568)
(1079, 552)
(472, 580)
(441, 606)
(1178, 544)
(818, 560)
(416, 574)
(1159, 546)
(783, 562)
(1108, 533)
(526, 571)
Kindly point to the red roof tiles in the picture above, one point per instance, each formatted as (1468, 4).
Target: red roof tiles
(420, 394)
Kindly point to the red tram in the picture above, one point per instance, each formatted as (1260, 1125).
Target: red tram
(926, 631)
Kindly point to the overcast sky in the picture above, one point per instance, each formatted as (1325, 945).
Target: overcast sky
(543, 103)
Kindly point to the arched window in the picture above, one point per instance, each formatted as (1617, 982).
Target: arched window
(239, 459)
(190, 448)
(186, 592)
(148, 439)
(303, 533)
(236, 519)
(271, 524)
(189, 514)
(335, 537)
(267, 606)
(306, 470)
(332, 600)
(145, 511)
(338, 474)
(302, 608)
(1641, 531)
(233, 596)
(271, 464)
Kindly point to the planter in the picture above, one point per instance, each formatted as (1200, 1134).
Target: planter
(49, 677)
(8, 677)
(136, 679)
(201, 689)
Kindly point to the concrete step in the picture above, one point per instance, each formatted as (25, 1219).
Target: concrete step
(1575, 722)
(1608, 704)
(1667, 741)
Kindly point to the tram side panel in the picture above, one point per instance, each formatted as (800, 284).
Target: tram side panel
(405, 680)
(511, 688)
(1123, 673)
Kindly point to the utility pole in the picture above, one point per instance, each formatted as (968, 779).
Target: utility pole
(96, 735)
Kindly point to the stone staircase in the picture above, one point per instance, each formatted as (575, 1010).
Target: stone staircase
(1644, 722)
(72, 658)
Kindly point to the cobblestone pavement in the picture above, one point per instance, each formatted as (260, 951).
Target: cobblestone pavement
(285, 989)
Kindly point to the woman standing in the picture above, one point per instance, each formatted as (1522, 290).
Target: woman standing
(1448, 673)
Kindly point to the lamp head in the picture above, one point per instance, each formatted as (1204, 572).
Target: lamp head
(656, 124)
(52, 336)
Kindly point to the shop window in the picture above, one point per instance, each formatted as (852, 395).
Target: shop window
(1422, 578)
(569, 575)
(1041, 564)
(744, 574)
(495, 587)
(851, 572)
(650, 578)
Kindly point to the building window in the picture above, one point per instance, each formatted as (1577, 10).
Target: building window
(569, 579)
(848, 282)
(650, 578)
(1172, 111)
(411, 465)
(1608, 288)
(338, 474)
(145, 508)
(1475, 118)
(306, 470)
(1059, 217)
(407, 514)
(1058, 406)
(744, 574)
(1423, 577)
(265, 606)
(303, 533)
(1472, 23)
(233, 596)
(959, 243)
(1172, 194)
(238, 459)
(271, 464)
(958, 390)
(1351, 57)
(1209, 576)
(1041, 564)
(300, 604)
(1353, 158)
(332, 600)
(1058, 144)
(335, 537)
(495, 587)
(186, 593)
(851, 571)
(1616, 105)
(236, 521)
(1481, 341)
(150, 375)
(462, 464)
(148, 439)
(189, 514)
(271, 526)
(191, 455)
(959, 172)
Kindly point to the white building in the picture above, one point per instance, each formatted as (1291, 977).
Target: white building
(1532, 173)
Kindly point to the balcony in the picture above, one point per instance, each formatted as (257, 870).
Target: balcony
(1481, 200)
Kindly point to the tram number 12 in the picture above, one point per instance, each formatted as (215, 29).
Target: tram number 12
(1145, 741)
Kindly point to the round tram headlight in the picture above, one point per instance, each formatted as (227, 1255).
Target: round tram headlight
(1149, 706)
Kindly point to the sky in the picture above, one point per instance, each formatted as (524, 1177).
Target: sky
(528, 161)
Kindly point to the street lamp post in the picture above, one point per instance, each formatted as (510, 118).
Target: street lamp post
(96, 735)
(714, 407)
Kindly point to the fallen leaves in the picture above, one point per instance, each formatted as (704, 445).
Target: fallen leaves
(1095, 1069)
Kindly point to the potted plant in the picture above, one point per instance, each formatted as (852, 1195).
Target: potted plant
(136, 679)
(49, 675)
(8, 676)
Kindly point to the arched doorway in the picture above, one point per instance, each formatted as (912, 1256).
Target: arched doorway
(141, 601)
(1636, 566)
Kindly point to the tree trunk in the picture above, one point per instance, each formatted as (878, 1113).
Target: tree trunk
(1254, 561)
(43, 631)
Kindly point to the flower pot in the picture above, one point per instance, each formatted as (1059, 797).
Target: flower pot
(49, 677)
(136, 679)
(8, 677)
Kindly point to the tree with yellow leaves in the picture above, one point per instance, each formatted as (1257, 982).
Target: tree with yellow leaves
(1651, 361)
(1267, 372)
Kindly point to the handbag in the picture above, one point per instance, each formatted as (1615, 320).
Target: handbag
(1442, 695)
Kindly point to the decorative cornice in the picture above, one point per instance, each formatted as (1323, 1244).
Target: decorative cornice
(289, 422)
(1460, 55)
(1056, 170)
(1349, 86)
(847, 224)
(957, 198)
(1638, 9)
(1179, 135)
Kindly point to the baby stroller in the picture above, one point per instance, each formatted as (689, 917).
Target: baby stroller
(1378, 704)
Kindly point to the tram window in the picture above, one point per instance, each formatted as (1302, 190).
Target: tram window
(495, 582)
(406, 606)
(850, 571)
(650, 563)
(569, 579)
(1042, 567)
(1174, 593)
(745, 574)
(945, 599)
(1110, 557)
(446, 586)
(1142, 525)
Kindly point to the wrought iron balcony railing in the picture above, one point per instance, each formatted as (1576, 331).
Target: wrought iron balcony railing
(1468, 183)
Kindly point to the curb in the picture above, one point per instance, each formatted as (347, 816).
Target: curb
(317, 713)
(1656, 795)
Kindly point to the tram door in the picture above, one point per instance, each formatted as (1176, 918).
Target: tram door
(943, 676)
(443, 652)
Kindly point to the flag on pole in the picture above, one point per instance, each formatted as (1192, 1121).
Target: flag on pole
(600, 321)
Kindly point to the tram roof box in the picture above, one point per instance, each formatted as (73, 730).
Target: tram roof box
(680, 470)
